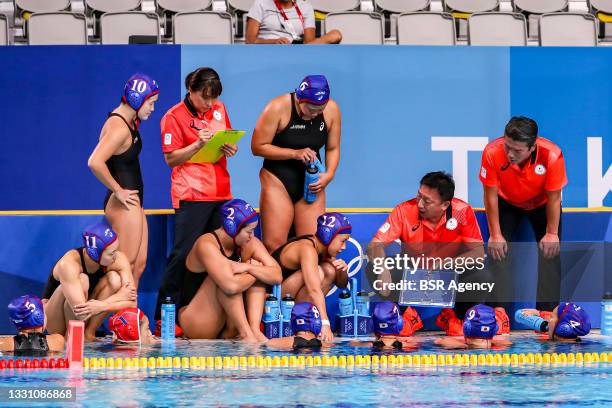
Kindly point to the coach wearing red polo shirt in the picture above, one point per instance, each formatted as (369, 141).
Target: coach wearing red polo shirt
(523, 176)
(198, 189)
(435, 225)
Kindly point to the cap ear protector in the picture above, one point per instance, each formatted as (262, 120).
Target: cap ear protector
(387, 319)
(138, 89)
(573, 321)
(480, 322)
(331, 224)
(305, 317)
(26, 312)
(313, 89)
(235, 214)
(96, 238)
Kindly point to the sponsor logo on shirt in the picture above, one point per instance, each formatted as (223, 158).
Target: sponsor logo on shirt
(540, 170)
(217, 115)
(483, 172)
(300, 127)
(168, 138)
(385, 227)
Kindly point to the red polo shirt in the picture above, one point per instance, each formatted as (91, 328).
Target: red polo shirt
(195, 181)
(442, 240)
(524, 187)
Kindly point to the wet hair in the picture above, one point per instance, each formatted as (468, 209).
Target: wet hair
(442, 182)
(205, 81)
(522, 129)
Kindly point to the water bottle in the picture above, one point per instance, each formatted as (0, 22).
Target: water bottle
(168, 312)
(271, 309)
(606, 314)
(345, 303)
(312, 176)
(363, 303)
(286, 307)
(534, 322)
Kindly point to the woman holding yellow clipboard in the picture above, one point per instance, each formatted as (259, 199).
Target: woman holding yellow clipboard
(199, 187)
(289, 134)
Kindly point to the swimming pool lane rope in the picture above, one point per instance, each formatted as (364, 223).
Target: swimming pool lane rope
(405, 360)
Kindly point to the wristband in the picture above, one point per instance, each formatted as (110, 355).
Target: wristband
(325, 322)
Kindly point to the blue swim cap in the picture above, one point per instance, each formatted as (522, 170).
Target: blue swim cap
(331, 224)
(138, 89)
(573, 321)
(26, 312)
(235, 214)
(305, 317)
(313, 89)
(480, 322)
(96, 238)
(387, 318)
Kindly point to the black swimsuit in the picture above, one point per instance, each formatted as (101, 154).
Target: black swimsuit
(277, 254)
(31, 344)
(125, 167)
(193, 281)
(94, 278)
(299, 134)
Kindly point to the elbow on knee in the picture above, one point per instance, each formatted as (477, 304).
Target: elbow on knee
(231, 289)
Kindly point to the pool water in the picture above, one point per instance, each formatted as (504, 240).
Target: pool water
(429, 386)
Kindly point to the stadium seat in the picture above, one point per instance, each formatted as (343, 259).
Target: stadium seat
(4, 31)
(533, 9)
(57, 29)
(401, 6)
(426, 28)
(335, 6)
(602, 9)
(462, 7)
(356, 27)
(168, 8)
(179, 6)
(503, 29)
(203, 27)
(239, 9)
(568, 29)
(540, 6)
(41, 6)
(116, 28)
(391, 9)
(112, 6)
(239, 5)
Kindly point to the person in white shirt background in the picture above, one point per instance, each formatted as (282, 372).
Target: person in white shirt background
(285, 22)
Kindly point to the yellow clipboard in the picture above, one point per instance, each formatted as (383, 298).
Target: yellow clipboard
(211, 152)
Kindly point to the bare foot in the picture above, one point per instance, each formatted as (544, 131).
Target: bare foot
(259, 335)
(90, 338)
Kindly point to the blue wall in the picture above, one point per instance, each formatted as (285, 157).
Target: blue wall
(35, 243)
(393, 100)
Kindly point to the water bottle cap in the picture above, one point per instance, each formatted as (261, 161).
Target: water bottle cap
(608, 295)
(271, 297)
(288, 297)
(168, 299)
(345, 294)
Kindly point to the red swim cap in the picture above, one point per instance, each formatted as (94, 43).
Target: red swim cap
(125, 325)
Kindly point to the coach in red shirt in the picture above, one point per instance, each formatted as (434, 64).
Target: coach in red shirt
(523, 175)
(437, 225)
(198, 189)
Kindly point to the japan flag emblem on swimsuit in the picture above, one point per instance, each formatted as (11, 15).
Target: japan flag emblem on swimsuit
(217, 115)
(539, 170)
